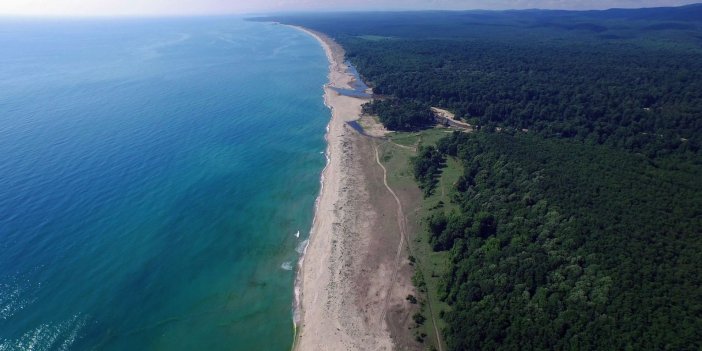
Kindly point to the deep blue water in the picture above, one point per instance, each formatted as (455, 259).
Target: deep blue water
(153, 175)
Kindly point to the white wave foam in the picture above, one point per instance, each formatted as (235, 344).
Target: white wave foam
(15, 295)
(47, 336)
(288, 266)
(10, 301)
(73, 334)
(297, 235)
(302, 247)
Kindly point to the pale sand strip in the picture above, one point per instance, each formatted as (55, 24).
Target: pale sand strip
(330, 315)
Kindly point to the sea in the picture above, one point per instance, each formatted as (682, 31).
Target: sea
(158, 178)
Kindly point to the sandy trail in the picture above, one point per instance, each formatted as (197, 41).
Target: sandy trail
(401, 221)
(401, 225)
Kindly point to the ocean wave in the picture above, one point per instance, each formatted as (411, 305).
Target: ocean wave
(153, 50)
(15, 295)
(297, 235)
(48, 336)
(279, 49)
(302, 247)
(288, 266)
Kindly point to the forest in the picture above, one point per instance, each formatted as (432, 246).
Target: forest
(401, 115)
(643, 101)
(576, 222)
(624, 78)
(562, 245)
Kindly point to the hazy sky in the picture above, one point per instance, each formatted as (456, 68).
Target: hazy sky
(185, 7)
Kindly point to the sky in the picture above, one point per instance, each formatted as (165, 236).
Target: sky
(202, 7)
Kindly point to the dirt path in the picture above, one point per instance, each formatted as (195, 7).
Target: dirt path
(401, 224)
(414, 149)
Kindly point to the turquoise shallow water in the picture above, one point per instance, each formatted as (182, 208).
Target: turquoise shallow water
(153, 175)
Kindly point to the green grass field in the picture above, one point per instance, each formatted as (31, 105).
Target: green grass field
(395, 156)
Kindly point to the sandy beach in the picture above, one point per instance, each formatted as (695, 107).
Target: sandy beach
(349, 284)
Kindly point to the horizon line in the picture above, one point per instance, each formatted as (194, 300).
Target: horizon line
(311, 11)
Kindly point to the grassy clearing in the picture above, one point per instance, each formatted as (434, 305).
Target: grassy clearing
(400, 177)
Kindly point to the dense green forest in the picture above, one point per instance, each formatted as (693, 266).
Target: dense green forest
(402, 115)
(561, 245)
(577, 225)
(426, 167)
(625, 78)
(620, 96)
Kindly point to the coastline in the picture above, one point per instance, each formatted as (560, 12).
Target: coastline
(333, 308)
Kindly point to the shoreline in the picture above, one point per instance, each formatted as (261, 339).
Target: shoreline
(298, 310)
(328, 313)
